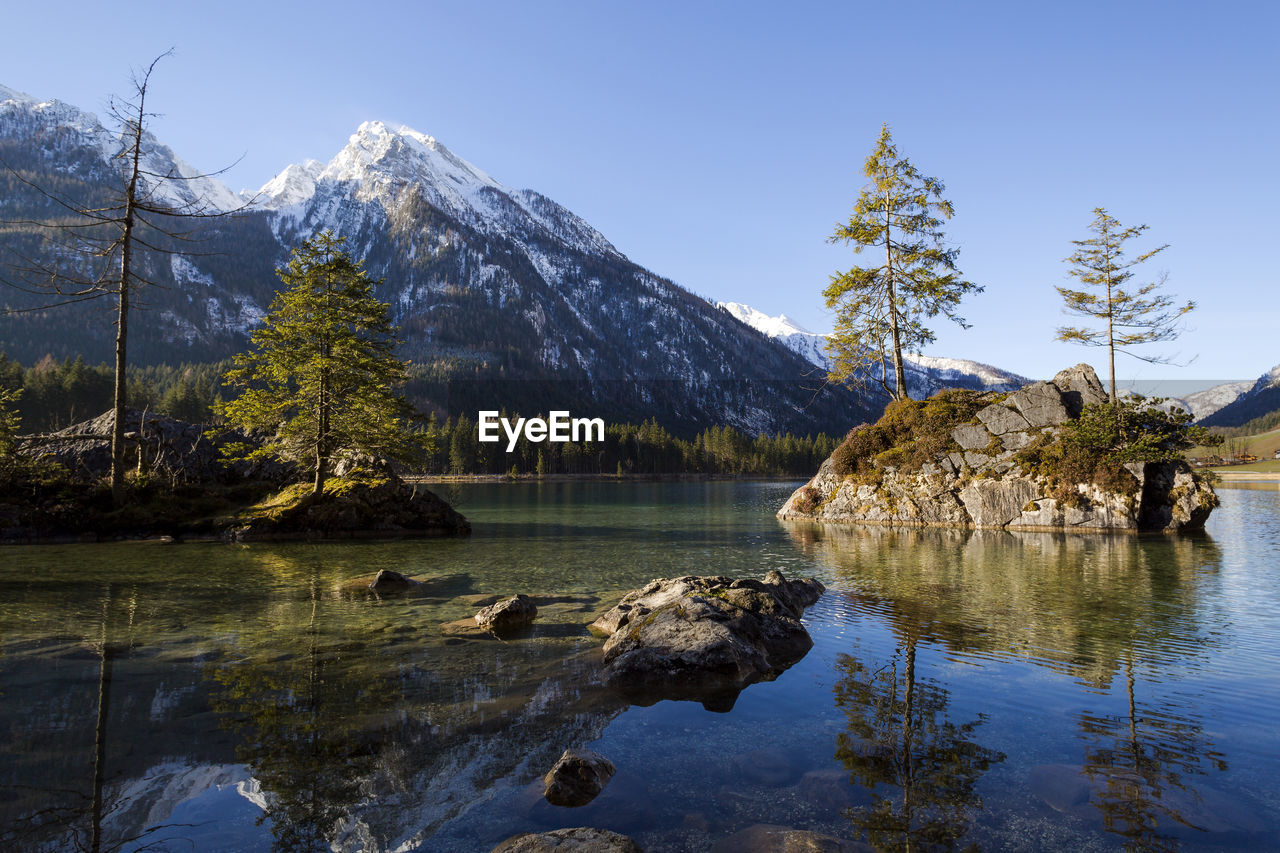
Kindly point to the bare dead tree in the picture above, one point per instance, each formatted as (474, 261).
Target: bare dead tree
(96, 250)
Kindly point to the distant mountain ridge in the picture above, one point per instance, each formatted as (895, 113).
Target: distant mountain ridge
(506, 298)
(926, 375)
(1260, 398)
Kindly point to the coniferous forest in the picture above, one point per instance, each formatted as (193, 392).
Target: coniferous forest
(59, 393)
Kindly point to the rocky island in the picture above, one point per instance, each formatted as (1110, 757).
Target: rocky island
(1019, 461)
(187, 486)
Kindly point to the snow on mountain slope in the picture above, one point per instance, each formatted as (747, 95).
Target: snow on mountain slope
(1261, 397)
(381, 161)
(925, 374)
(187, 188)
(1201, 404)
(513, 300)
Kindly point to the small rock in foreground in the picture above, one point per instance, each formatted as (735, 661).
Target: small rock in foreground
(508, 614)
(389, 581)
(577, 776)
(582, 839)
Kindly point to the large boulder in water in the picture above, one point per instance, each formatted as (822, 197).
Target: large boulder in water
(508, 614)
(705, 638)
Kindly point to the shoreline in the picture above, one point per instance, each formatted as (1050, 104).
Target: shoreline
(429, 479)
(1241, 476)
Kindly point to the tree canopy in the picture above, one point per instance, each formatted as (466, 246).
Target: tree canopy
(880, 310)
(321, 372)
(1130, 316)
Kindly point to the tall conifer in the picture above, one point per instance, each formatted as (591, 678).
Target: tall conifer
(321, 371)
(880, 309)
(1131, 317)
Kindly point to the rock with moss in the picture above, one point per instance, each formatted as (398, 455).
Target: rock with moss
(1043, 457)
(705, 638)
(349, 509)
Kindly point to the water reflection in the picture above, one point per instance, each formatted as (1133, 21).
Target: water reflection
(1113, 612)
(1140, 763)
(1077, 603)
(899, 736)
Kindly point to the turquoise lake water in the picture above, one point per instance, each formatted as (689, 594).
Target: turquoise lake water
(1010, 691)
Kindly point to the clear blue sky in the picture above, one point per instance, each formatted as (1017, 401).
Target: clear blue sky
(719, 144)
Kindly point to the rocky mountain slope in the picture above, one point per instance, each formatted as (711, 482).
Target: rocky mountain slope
(1260, 398)
(926, 375)
(507, 298)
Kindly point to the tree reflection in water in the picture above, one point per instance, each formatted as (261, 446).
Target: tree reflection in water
(899, 736)
(296, 716)
(1138, 763)
(1094, 608)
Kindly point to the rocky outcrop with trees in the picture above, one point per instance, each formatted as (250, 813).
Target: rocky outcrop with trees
(1053, 455)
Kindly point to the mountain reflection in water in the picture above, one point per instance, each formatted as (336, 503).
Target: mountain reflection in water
(1003, 690)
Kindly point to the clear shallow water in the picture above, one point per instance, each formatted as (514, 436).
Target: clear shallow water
(1014, 691)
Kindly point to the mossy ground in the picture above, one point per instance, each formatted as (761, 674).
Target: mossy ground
(908, 434)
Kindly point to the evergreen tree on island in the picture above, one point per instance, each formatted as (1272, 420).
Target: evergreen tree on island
(1137, 316)
(880, 310)
(320, 373)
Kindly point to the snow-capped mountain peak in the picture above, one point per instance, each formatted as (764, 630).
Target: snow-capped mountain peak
(404, 153)
(294, 185)
(775, 327)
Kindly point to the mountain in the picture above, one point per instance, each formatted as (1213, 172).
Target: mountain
(1261, 398)
(503, 297)
(926, 375)
(1202, 404)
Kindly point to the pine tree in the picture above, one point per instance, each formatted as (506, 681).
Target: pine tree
(1132, 317)
(321, 370)
(880, 310)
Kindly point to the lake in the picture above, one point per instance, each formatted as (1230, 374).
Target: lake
(1013, 691)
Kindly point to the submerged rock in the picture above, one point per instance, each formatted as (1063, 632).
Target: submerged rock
(577, 777)
(982, 478)
(770, 838)
(507, 614)
(705, 638)
(582, 839)
(767, 767)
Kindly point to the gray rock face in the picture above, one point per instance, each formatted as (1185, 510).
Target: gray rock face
(971, 436)
(1041, 404)
(581, 839)
(1001, 419)
(507, 614)
(1080, 387)
(172, 449)
(705, 638)
(577, 776)
(972, 485)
